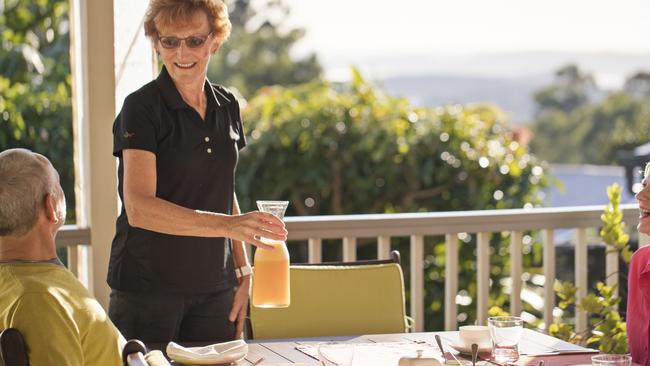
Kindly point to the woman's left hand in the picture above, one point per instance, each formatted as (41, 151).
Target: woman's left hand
(239, 306)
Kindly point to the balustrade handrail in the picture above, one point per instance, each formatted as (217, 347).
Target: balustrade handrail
(440, 223)
(72, 235)
(421, 223)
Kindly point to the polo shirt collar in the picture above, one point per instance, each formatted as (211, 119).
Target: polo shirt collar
(173, 97)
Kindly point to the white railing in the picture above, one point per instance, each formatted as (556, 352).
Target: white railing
(77, 241)
(484, 224)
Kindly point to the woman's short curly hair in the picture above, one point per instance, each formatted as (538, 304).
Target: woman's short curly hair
(181, 11)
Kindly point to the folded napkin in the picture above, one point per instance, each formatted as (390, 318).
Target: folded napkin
(216, 353)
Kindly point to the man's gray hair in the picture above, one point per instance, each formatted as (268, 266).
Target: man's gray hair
(25, 180)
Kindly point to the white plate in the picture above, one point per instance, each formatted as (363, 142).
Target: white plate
(467, 350)
(221, 361)
(215, 354)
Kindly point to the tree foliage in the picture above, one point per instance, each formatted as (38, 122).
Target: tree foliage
(575, 123)
(258, 52)
(35, 91)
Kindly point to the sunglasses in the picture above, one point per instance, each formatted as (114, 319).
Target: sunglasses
(171, 42)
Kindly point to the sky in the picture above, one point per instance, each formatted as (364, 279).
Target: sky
(351, 31)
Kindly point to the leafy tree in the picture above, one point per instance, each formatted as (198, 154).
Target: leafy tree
(571, 127)
(35, 91)
(258, 51)
(638, 85)
(571, 89)
(353, 149)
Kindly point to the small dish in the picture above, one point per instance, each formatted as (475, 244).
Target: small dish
(467, 350)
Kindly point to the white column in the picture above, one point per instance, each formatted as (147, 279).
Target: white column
(349, 249)
(417, 282)
(451, 281)
(383, 247)
(516, 269)
(103, 32)
(315, 250)
(581, 277)
(482, 277)
(549, 276)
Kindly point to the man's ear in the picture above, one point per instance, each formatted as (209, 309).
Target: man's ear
(50, 208)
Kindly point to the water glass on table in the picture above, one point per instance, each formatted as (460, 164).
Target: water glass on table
(505, 332)
(611, 360)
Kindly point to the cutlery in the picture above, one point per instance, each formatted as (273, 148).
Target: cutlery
(474, 353)
(444, 355)
(442, 350)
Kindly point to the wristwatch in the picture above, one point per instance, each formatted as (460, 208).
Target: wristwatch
(243, 271)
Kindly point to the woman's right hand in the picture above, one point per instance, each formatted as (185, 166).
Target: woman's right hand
(252, 226)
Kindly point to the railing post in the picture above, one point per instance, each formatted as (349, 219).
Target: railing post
(349, 249)
(417, 282)
(383, 247)
(611, 269)
(516, 269)
(549, 276)
(581, 277)
(483, 276)
(314, 249)
(451, 281)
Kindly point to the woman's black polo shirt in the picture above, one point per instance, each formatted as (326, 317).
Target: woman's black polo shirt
(195, 164)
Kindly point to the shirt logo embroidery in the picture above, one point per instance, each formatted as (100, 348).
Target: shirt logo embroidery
(128, 135)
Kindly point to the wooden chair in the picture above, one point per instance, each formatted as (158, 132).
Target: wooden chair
(13, 351)
(337, 299)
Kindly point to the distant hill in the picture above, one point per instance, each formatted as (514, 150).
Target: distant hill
(512, 95)
(507, 79)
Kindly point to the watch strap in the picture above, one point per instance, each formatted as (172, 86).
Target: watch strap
(243, 271)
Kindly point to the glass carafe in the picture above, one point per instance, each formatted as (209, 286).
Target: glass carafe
(271, 266)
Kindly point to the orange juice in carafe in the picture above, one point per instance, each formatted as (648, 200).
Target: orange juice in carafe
(271, 276)
(271, 266)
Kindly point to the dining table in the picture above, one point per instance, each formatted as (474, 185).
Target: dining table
(535, 349)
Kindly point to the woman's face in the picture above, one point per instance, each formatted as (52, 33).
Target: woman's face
(187, 66)
(643, 197)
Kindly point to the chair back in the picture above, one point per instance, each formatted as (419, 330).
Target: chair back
(13, 351)
(133, 353)
(337, 299)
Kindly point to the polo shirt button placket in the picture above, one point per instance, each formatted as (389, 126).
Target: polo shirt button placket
(207, 139)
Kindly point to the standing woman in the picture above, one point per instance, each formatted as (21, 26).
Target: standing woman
(638, 289)
(178, 269)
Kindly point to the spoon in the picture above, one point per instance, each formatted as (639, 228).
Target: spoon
(442, 350)
(474, 353)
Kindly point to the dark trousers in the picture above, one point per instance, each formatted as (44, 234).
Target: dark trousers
(160, 318)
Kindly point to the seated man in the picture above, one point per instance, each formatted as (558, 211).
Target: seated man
(61, 322)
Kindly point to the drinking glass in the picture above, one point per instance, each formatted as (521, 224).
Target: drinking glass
(505, 332)
(611, 360)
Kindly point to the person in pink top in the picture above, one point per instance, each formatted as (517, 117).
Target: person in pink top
(638, 295)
